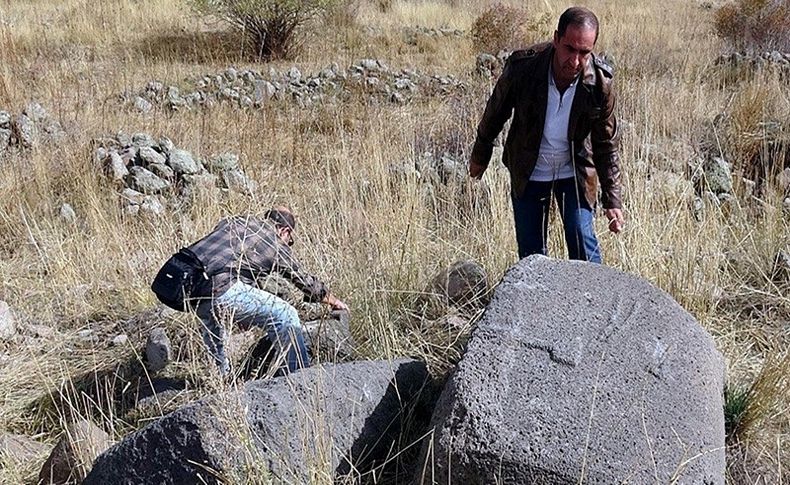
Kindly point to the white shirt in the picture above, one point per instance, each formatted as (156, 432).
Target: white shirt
(554, 157)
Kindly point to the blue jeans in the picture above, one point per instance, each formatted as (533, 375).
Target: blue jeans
(531, 214)
(246, 305)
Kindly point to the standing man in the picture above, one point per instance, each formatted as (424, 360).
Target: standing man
(236, 255)
(563, 138)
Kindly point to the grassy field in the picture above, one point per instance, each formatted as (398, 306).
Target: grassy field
(75, 57)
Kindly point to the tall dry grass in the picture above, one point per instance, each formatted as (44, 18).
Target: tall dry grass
(373, 236)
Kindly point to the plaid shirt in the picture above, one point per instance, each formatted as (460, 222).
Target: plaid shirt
(248, 249)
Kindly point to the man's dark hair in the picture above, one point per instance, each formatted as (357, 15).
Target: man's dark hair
(281, 217)
(579, 17)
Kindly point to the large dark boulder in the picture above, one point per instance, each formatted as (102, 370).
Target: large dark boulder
(320, 420)
(578, 373)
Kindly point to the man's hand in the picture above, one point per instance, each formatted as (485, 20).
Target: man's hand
(616, 219)
(476, 170)
(335, 303)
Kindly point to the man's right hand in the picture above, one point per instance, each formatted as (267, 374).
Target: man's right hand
(476, 170)
(335, 303)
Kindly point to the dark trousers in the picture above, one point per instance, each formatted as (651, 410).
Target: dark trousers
(531, 213)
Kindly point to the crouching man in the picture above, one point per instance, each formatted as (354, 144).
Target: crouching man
(239, 252)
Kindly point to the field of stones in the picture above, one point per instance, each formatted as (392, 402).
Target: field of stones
(128, 128)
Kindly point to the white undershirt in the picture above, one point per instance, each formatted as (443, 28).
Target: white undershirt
(554, 157)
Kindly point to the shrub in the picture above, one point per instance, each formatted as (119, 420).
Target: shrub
(270, 25)
(503, 27)
(755, 25)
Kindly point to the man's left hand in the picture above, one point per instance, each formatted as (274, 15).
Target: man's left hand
(616, 219)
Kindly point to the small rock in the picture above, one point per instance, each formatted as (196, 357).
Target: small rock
(157, 350)
(718, 176)
(149, 156)
(67, 213)
(116, 167)
(5, 138)
(41, 331)
(7, 321)
(397, 98)
(35, 112)
(73, 456)
(142, 105)
(85, 334)
(182, 162)
(26, 131)
(143, 140)
(129, 155)
(151, 206)
(162, 171)
(132, 196)
(123, 139)
(156, 88)
(5, 119)
(237, 181)
(264, 91)
(145, 181)
(19, 449)
(781, 269)
(231, 74)
(166, 146)
(223, 162)
(294, 75)
(784, 179)
(120, 340)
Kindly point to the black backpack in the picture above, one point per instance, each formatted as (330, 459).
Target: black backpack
(181, 280)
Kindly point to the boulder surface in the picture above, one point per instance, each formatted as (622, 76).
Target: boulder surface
(579, 373)
(319, 420)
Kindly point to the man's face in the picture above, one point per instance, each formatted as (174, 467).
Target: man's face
(572, 52)
(286, 235)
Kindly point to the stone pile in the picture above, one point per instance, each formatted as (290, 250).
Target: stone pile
(147, 170)
(30, 128)
(772, 59)
(249, 88)
(412, 34)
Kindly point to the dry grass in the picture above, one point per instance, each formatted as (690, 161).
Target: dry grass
(376, 250)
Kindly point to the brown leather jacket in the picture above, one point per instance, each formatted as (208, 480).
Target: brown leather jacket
(522, 90)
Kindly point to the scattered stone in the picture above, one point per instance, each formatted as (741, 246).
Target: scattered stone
(20, 449)
(120, 340)
(182, 162)
(145, 181)
(149, 156)
(781, 269)
(7, 321)
(280, 431)
(142, 105)
(72, 458)
(85, 334)
(157, 350)
(784, 180)
(487, 65)
(463, 283)
(577, 369)
(330, 339)
(223, 162)
(40, 331)
(67, 213)
(26, 131)
(152, 207)
(717, 176)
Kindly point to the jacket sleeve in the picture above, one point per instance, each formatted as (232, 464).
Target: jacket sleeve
(287, 265)
(498, 110)
(605, 140)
